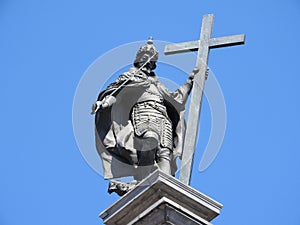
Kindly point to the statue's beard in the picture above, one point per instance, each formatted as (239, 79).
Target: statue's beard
(146, 69)
(149, 65)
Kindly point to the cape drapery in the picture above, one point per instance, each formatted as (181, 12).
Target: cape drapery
(114, 131)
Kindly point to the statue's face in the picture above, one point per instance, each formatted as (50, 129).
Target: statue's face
(142, 59)
(145, 57)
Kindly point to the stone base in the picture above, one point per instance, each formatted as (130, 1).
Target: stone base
(162, 199)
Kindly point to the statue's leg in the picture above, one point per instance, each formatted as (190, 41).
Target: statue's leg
(130, 156)
(147, 154)
(146, 148)
(164, 152)
(164, 160)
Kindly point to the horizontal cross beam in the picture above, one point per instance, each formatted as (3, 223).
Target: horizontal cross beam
(213, 43)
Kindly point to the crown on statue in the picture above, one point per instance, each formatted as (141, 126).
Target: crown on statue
(149, 49)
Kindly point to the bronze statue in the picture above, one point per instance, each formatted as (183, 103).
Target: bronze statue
(140, 124)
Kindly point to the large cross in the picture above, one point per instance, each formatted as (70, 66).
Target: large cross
(202, 46)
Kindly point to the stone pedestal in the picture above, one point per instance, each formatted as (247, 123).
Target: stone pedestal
(162, 199)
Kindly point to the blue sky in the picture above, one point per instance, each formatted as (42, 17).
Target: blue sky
(45, 48)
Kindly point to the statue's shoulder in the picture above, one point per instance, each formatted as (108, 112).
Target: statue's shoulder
(132, 70)
(128, 73)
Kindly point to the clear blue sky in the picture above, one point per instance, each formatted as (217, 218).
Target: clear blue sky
(45, 48)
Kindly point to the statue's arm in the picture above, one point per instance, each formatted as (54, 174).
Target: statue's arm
(128, 79)
(182, 93)
(107, 100)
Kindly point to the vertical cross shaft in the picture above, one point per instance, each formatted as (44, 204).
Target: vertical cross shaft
(203, 46)
(196, 100)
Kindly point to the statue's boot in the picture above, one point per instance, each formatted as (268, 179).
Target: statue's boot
(164, 165)
(121, 187)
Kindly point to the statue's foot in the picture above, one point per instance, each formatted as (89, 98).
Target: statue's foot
(120, 187)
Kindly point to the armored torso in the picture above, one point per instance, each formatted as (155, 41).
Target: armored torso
(151, 93)
(150, 114)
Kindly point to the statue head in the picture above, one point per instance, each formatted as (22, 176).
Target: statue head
(145, 53)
